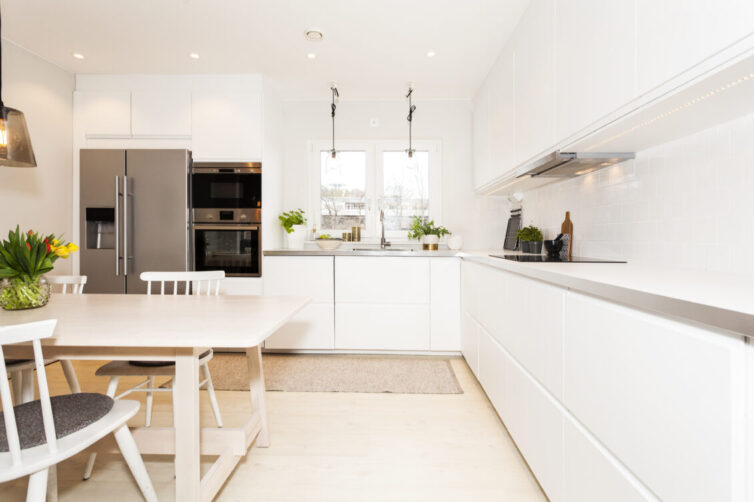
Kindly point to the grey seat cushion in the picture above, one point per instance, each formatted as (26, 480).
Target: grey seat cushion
(71, 412)
(152, 364)
(9, 362)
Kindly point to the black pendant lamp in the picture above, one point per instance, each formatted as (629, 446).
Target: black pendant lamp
(333, 106)
(15, 143)
(411, 109)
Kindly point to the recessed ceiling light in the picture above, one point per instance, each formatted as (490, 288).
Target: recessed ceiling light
(431, 54)
(194, 55)
(78, 55)
(314, 35)
(311, 55)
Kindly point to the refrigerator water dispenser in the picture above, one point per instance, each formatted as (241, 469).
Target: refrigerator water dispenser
(100, 228)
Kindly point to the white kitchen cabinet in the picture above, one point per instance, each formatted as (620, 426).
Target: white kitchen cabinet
(163, 113)
(103, 113)
(675, 35)
(491, 371)
(750, 423)
(374, 279)
(226, 125)
(470, 277)
(372, 326)
(535, 80)
(664, 397)
(595, 45)
(480, 134)
(470, 342)
(592, 474)
(312, 276)
(445, 303)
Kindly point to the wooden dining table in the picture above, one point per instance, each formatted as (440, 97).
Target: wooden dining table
(172, 328)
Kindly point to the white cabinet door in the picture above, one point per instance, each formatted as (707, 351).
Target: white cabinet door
(595, 71)
(674, 35)
(161, 113)
(535, 80)
(480, 134)
(502, 120)
(445, 303)
(491, 372)
(365, 326)
(665, 397)
(226, 126)
(381, 280)
(592, 474)
(470, 279)
(312, 328)
(103, 113)
(536, 424)
(299, 276)
(470, 342)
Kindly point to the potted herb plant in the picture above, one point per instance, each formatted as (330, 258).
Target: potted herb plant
(427, 232)
(24, 259)
(531, 239)
(294, 223)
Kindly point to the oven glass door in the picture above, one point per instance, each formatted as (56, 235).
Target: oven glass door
(226, 190)
(232, 248)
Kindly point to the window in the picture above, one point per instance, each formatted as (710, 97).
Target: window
(369, 176)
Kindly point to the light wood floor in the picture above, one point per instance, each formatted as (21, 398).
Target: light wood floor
(332, 447)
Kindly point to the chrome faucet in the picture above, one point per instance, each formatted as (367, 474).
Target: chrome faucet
(383, 242)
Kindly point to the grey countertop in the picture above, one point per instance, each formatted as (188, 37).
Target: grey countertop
(397, 251)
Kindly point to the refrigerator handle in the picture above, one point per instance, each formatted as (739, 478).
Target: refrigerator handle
(117, 226)
(125, 225)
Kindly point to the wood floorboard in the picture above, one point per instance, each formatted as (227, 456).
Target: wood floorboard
(331, 447)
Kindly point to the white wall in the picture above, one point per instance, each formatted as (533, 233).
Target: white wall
(39, 198)
(687, 203)
(478, 219)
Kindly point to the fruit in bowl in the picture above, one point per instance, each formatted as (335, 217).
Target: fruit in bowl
(326, 242)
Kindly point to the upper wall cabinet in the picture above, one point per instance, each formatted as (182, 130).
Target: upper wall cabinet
(161, 113)
(535, 80)
(103, 113)
(226, 126)
(595, 61)
(675, 35)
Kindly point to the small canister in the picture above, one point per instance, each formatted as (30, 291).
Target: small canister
(356, 234)
(347, 236)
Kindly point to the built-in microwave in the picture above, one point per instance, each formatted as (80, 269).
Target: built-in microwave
(226, 185)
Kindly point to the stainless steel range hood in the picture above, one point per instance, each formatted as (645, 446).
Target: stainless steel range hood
(572, 164)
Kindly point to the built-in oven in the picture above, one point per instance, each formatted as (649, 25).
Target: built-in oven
(230, 241)
(226, 185)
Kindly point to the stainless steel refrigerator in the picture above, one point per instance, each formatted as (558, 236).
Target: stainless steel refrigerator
(134, 216)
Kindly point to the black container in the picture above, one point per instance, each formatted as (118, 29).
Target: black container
(553, 247)
(534, 247)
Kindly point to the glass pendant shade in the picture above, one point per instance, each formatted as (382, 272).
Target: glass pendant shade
(15, 143)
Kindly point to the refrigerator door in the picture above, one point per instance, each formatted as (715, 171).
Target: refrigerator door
(100, 220)
(157, 215)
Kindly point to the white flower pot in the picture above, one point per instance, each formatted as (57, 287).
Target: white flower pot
(296, 239)
(430, 242)
(455, 242)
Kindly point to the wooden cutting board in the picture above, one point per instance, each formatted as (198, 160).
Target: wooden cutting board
(567, 228)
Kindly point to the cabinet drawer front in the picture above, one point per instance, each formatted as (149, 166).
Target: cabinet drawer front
(470, 342)
(491, 372)
(665, 397)
(312, 328)
(381, 327)
(299, 276)
(381, 280)
(593, 475)
(445, 303)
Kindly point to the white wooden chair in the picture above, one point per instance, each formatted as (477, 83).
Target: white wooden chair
(21, 371)
(40, 434)
(206, 283)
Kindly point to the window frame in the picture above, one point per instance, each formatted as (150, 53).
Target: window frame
(375, 181)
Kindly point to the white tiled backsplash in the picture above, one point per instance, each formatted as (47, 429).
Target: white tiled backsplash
(688, 203)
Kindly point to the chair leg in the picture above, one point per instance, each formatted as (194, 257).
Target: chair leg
(37, 490)
(212, 397)
(112, 387)
(52, 483)
(150, 399)
(27, 385)
(131, 454)
(17, 382)
(70, 376)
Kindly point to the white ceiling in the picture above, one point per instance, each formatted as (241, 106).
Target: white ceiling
(371, 47)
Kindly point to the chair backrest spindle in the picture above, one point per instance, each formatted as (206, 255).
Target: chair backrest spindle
(76, 283)
(198, 280)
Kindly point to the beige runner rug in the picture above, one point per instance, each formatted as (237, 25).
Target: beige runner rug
(339, 373)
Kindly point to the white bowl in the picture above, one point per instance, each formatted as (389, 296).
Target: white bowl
(328, 244)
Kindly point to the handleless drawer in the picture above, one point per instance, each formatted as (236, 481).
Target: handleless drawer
(370, 279)
(299, 276)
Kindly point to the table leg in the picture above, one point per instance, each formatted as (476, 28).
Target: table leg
(256, 388)
(186, 413)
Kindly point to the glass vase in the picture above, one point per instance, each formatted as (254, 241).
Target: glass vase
(19, 294)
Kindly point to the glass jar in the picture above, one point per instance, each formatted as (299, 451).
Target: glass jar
(18, 293)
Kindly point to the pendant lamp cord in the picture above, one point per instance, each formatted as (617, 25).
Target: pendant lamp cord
(2, 105)
(410, 118)
(335, 94)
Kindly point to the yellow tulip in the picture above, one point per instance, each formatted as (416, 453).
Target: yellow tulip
(55, 243)
(72, 248)
(62, 252)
